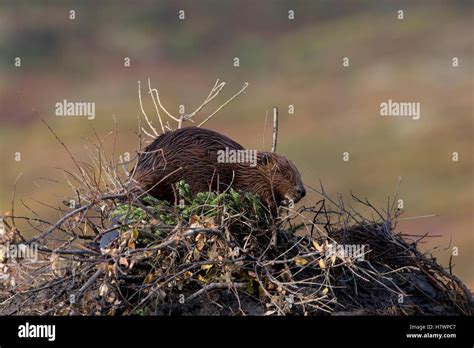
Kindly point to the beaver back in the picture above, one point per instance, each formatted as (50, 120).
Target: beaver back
(188, 154)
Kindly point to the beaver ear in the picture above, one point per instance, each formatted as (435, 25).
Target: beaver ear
(264, 159)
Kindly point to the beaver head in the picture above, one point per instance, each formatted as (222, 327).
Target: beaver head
(283, 178)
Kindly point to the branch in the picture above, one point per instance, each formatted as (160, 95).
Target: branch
(212, 94)
(72, 213)
(246, 84)
(144, 114)
(275, 129)
(150, 92)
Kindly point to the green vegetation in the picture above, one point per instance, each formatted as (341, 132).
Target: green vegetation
(208, 206)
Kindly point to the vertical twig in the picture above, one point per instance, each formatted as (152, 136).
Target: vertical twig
(275, 129)
(150, 92)
(13, 198)
(155, 132)
(265, 129)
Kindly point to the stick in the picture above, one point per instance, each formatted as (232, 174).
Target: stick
(72, 213)
(144, 113)
(88, 283)
(13, 199)
(275, 129)
(246, 84)
(150, 91)
(212, 94)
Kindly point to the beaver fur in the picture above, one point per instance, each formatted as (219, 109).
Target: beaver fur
(191, 154)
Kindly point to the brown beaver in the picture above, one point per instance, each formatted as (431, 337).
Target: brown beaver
(191, 154)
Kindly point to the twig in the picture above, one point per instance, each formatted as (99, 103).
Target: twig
(88, 283)
(155, 132)
(212, 94)
(72, 213)
(227, 102)
(13, 199)
(150, 92)
(275, 129)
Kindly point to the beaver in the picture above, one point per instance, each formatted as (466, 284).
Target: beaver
(191, 154)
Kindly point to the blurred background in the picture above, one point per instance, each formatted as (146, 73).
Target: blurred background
(286, 62)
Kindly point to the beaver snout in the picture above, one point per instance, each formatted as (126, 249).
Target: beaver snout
(300, 190)
(294, 197)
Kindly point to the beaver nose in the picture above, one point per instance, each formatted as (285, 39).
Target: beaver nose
(302, 191)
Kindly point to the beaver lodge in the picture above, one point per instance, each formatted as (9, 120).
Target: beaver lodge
(214, 256)
(219, 253)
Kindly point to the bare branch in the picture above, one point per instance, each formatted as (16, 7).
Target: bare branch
(150, 92)
(275, 129)
(227, 102)
(144, 113)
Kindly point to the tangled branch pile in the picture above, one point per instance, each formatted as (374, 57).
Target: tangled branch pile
(213, 254)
